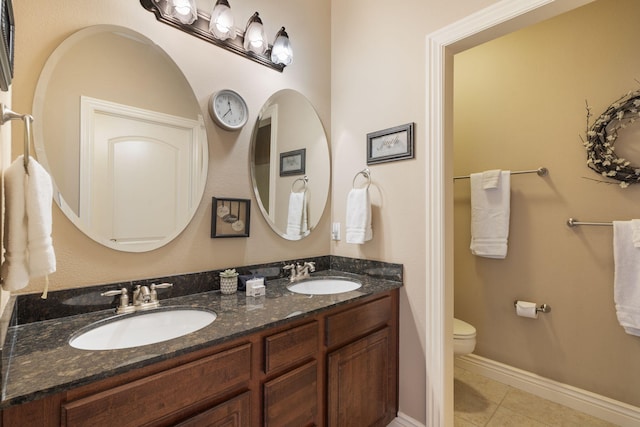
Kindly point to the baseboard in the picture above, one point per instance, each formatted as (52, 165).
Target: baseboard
(403, 420)
(602, 407)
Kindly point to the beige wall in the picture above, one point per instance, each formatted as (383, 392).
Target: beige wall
(378, 81)
(519, 104)
(41, 26)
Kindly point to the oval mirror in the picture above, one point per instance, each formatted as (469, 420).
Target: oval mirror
(290, 164)
(119, 129)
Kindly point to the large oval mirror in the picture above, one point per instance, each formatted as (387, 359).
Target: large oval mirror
(120, 130)
(290, 164)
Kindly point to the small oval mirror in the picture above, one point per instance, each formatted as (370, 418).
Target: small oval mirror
(119, 129)
(290, 164)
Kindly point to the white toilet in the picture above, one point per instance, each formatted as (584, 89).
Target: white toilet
(464, 337)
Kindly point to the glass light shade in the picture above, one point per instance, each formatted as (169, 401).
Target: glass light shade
(281, 52)
(255, 38)
(184, 11)
(221, 24)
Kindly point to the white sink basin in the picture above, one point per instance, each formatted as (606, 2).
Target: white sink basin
(134, 330)
(324, 286)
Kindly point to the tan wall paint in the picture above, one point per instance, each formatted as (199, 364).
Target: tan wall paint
(519, 104)
(378, 81)
(41, 26)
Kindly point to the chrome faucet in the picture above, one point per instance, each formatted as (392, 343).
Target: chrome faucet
(299, 272)
(144, 297)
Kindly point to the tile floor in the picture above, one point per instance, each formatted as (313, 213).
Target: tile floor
(480, 401)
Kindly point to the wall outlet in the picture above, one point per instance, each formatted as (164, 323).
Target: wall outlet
(335, 231)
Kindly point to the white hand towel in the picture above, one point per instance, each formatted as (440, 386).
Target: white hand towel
(626, 294)
(358, 226)
(297, 215)
(491, 179)
(42, 259)
(15, 270)
(635, 227)
(29, 250)
(490, 211)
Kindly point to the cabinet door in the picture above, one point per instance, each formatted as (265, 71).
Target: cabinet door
(235, 412)
(292, 398)
(360, 388)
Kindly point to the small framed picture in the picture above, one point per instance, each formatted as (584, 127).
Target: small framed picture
(292, 162)
(230, 217)
(390, 144)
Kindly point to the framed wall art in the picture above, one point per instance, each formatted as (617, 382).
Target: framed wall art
(7, 42)
(390, 144)
(293, 162)
(230, 217)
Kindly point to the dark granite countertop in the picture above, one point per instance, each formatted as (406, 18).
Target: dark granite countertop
(38, 361)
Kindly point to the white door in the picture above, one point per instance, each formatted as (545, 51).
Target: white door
(136, 188)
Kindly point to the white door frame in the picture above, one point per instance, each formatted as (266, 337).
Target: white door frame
(492, 22)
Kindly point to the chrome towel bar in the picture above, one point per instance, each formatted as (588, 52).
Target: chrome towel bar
(539, 171)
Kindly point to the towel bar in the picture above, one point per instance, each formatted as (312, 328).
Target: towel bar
(539, 171)
(572, 222)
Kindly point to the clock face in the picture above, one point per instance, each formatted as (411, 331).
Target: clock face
(228, 109)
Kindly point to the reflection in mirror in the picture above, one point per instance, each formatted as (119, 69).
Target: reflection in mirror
(290, 164)
(120, 130)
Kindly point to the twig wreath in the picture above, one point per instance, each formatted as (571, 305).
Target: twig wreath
(601, 156)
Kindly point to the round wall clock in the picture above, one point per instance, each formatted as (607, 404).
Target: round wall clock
(228, 109)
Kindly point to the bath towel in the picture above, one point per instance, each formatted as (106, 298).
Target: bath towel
(490, 210)
(358, 225)
(297, 215)
(626, 288)
(29, 249)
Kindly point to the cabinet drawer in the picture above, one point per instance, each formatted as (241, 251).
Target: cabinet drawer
(235, 412)
(159, 395)
(350, 324)
(291, 347)
(291, 400)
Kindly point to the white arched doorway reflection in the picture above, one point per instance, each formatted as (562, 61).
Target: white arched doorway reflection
(492, 22)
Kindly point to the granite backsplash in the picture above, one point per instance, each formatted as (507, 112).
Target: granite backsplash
(30, 308)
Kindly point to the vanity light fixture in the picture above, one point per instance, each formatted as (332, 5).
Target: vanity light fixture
(281, 52)
(221, 23)
(255, 39)
(184, 11)
(218, 29)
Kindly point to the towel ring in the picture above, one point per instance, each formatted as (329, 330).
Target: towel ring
(305, 181)
(364, 172)
(6, 115)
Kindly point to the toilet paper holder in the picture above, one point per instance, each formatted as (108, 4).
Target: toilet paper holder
(544, 308)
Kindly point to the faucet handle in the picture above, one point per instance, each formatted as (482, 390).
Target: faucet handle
(154, 293)
(124, 306)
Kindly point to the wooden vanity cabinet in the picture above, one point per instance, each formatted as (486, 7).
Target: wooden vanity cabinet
(337, 368)
(362, 364)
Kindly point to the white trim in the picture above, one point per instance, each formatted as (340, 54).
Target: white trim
(403, 420)
(470, 31)
(599, 406)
